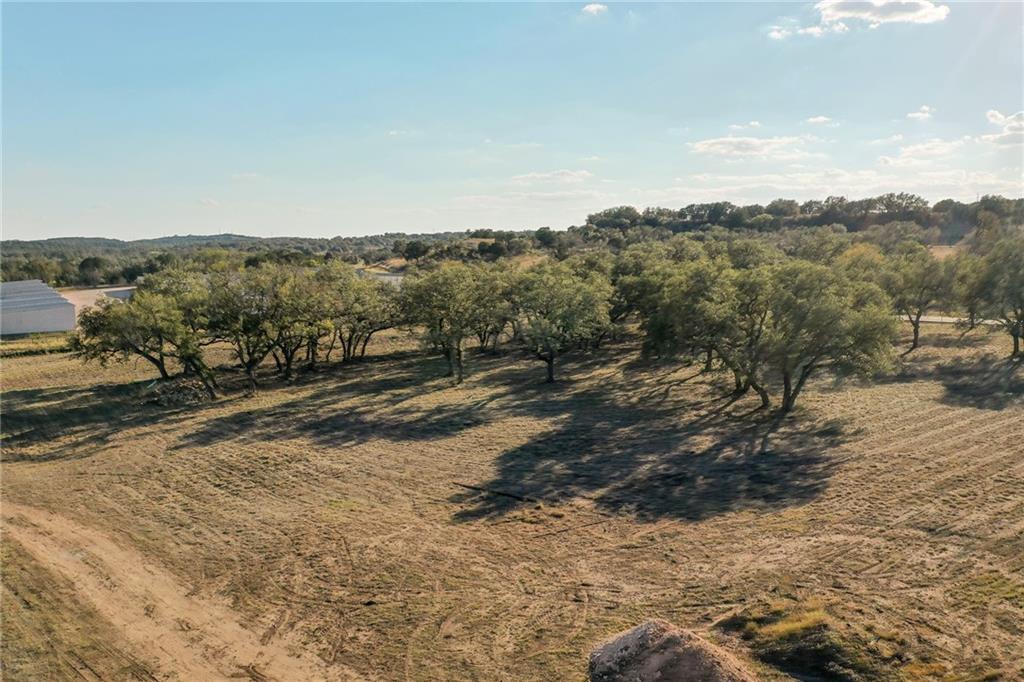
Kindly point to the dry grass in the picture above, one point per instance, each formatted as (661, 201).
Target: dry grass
(414, 530)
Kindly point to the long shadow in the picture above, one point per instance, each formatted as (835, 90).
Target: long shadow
(642, 444)
(80, 419)
(643, 460)
(989, 383)
(985, 382)
(381, 389)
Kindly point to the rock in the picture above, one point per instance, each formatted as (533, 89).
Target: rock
(657, 651)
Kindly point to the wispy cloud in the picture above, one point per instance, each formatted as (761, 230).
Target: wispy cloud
(759, 187)
(774, 148)
(922, 114)
(892, 139)
(207, 201)
(744, 126)
(924, 152)
(594, 8)
(559, 176)
(1012, 128)
(818, 120)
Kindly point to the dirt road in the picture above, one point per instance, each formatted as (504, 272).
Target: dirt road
(187, 636)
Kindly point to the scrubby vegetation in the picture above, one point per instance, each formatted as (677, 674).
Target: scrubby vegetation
(771, 312)
(887, 220)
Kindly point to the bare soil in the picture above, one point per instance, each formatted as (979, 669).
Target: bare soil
(375, 521)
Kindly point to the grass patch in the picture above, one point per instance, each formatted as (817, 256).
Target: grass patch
(990, 588)
(34, 344)
(803, 640)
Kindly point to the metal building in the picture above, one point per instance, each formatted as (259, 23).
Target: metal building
(30, 306)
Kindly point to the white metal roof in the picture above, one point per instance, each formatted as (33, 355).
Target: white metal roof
(29, 294)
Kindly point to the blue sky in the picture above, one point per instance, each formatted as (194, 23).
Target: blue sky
(140, 120)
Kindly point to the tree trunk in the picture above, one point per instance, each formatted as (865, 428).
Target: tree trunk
(766, 401)
(787, 392)
(742, 385)
(916, 323)
(550, 360)
(1016, 346)
(458, 363)
(450, 357)
(708, 357)
(312, 347)
(250, 372)
(330, 348)
(366, 340)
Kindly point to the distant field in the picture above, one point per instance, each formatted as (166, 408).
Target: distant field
(374, 522)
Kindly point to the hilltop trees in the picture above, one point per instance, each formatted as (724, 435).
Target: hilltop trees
(770, 311)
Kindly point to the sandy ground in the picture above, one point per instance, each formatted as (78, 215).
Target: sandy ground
(188, 637)
(374, 520)
(83, 298)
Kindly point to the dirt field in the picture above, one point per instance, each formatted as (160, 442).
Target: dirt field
(374, 522)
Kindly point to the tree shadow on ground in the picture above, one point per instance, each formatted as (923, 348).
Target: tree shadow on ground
(985, 382)
(637, 444)
(988, 382)
(77, 420)
(327, 416)
(657, 461)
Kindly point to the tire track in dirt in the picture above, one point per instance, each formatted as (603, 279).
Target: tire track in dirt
(190, 637)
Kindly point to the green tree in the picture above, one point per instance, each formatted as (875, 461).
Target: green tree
(820, 319)
(916, 281)
(1003, 287)
(241, 307)
(561, 309)
(151, 326)
(445, 302)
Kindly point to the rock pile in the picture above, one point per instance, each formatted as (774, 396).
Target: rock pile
(657, 651)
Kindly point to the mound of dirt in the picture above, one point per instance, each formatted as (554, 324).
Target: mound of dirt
(658, 651)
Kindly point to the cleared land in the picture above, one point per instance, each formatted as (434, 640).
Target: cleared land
(373, 521)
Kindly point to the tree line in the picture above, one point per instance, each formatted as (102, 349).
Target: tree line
(93, 262)
(769, 314)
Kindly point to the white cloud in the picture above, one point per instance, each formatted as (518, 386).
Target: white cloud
(594, 8)
(922, 114)
(818, 120)
(815, 184)
(833, 15)
(775, 148)
(517, 200)
(591, 158)
(888, 140)
(560, 176)
(1012, 125)
(878, 12)
(398, 133)
(207, 201)
(924, 152)
(744, 126)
